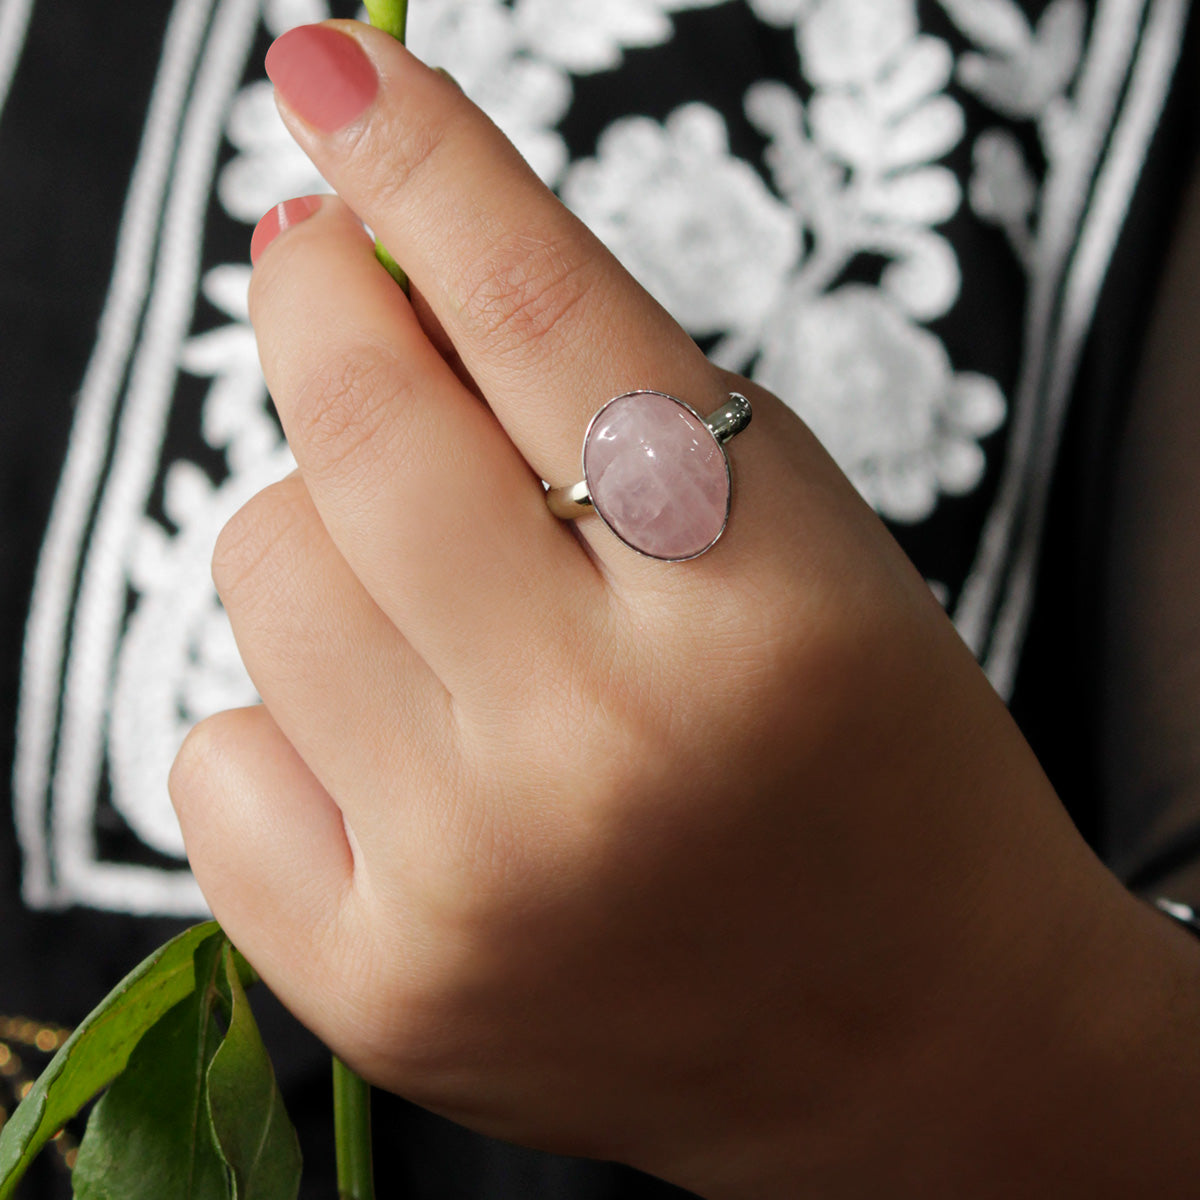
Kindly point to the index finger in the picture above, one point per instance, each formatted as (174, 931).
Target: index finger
(545, 319)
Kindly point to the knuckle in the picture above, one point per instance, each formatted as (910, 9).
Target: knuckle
(343, 422)
(519, 294)
(207, 743)
(250, 547)
(399, 154)
(188, 768)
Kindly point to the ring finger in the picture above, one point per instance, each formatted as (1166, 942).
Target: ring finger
(341, 682)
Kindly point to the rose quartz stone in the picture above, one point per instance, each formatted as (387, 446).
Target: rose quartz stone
(657, 475)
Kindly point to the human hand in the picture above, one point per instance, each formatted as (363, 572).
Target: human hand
(717, 868)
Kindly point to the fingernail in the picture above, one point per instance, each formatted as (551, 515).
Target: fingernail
(282, 216)
(323, 75)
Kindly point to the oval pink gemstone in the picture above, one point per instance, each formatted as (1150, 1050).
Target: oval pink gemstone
(657, 475)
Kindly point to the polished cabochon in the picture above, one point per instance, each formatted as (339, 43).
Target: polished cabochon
(657, 475)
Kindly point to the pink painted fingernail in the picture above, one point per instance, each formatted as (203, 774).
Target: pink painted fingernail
(322, 75)
(282, 216)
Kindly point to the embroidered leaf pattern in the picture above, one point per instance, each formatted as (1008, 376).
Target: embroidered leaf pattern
(999, 26)
(1060, 35)
(923, 69)
(1022, 82)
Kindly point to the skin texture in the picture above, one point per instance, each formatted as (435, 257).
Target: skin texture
(735, 870)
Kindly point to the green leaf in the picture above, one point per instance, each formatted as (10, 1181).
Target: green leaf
(149, 1137)
(99, 1050)
(254, 1136)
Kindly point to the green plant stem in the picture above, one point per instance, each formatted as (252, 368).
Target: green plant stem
(389, 15)
(351, 1094)
(352, 1134)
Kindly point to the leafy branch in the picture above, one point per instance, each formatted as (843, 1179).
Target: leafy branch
(192, 1108)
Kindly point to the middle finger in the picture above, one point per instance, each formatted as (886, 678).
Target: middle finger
(545, 319)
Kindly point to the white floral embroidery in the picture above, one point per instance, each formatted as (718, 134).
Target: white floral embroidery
(584, 36)
(857, 173)
(1003, 189)
(269, 166)
(1025, 74)
(859, 165)
(998, 24)
(281, 15)
(480, 43)
(780, 12)
(718, 265)
(880, 393)
(844, 43)
(178, 662)
(1021, 70)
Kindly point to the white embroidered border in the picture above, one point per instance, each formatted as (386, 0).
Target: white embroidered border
(14, 26)
(46, 634)
(1064, 213)
(66, 870)
(1150, 83)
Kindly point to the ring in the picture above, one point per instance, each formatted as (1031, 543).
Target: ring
(656, 473)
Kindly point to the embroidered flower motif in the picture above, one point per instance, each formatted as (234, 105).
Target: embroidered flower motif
(858, 163)
(480, 43)
(857, 172)
(716, 265)
(848, 42)
(881, 395)
(1002, 186)
(585, 36)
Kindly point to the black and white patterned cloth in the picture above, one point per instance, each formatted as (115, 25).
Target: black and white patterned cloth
(934, 227)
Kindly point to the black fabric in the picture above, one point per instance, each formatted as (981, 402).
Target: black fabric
(1060, 687)
(69, 136)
